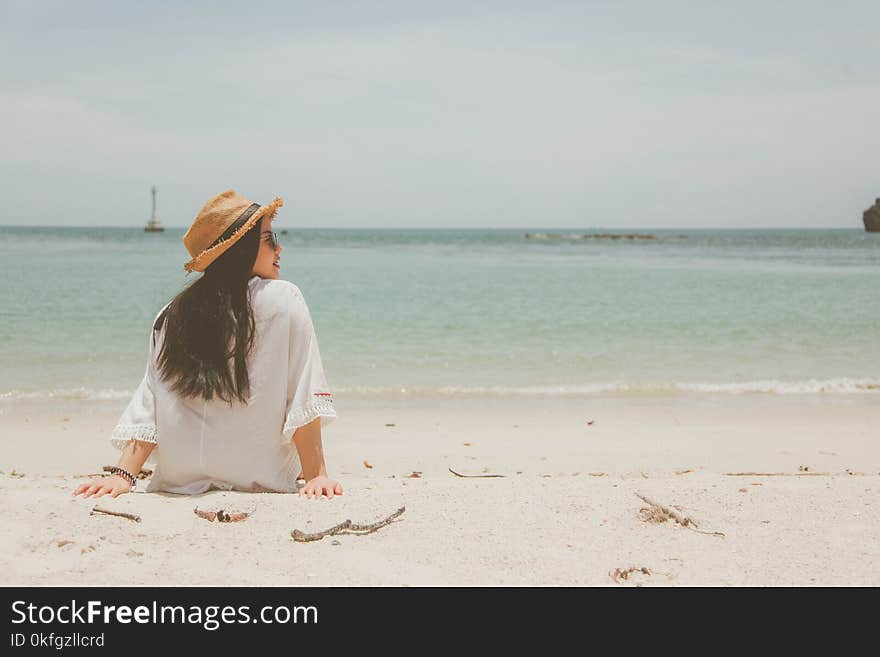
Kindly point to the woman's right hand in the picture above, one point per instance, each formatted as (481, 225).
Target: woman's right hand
(115, 485)
(321, 485)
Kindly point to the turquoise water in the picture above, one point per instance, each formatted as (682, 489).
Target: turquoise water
(473, 312)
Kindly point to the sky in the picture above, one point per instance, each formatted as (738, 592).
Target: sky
(443, 115)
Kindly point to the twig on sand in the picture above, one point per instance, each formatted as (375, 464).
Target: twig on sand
(347, 527)
(623, 573)
(210, 516)
(659, 513)
(130, 516)
(221, 515)
(369, 529)
(237, 516)
(302, 537)
(458, 474)
(777, 474)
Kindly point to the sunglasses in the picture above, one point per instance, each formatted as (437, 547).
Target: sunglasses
(272, 239)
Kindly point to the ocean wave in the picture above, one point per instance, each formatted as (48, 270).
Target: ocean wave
(810, 386)
(67, 393)
(836, 386)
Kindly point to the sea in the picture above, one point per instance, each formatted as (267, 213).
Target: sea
(475, 313)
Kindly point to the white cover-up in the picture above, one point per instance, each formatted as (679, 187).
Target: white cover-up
(208, 444)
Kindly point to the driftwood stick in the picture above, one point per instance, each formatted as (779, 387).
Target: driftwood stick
(130, 516)
(369, 529)
(302, 537)
(347, 527)
(623, 573)
(660, 513)
(458, 474)
(778, 474)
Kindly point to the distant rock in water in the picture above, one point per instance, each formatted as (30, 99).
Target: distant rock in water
(589, 236)
(871, 217)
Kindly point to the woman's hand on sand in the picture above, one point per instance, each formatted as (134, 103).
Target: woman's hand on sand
(114, 485)
(321, 485)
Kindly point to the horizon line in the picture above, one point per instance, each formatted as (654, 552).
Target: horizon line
(527, 228)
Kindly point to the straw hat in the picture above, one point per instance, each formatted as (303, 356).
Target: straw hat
(221, 223)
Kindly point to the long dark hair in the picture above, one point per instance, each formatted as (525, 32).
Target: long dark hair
(210, 323)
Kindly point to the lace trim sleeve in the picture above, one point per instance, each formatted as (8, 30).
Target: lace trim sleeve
(124, 433)
(301, 416)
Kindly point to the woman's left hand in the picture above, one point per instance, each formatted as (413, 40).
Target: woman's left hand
(321, 485)
(114, 485)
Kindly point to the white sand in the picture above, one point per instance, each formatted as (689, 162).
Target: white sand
(551, 520)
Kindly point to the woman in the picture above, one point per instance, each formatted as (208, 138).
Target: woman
(234, 396)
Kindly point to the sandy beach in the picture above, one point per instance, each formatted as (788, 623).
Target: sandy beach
(566, 511)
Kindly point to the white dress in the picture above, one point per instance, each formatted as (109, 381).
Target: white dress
(208, 444)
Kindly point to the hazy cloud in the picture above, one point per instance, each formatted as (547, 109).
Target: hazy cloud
(506, 114)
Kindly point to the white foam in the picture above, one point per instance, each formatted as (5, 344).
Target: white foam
(67, 393)
(834, 386)
(812, 386)
(840, 386)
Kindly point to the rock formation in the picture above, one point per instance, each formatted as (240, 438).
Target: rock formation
(871, 218)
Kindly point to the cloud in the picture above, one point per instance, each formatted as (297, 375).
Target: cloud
(524, 122)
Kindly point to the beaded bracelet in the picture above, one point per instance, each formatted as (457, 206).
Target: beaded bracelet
(125, 473)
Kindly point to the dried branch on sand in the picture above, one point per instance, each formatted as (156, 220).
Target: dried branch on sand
(221, 515)
(130, 516)
(618, 574)
(658, 513)
(210, 516)
(778, 474)
(458, 474)
(347, 527)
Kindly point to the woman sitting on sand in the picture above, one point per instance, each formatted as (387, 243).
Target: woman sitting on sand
(234, 395)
